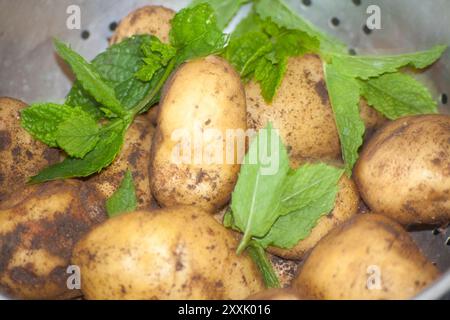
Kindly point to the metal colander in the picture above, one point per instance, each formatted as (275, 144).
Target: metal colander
(30, 71)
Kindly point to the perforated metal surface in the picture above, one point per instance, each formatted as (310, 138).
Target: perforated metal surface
(30, 71)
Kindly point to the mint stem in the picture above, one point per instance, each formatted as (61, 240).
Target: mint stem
(259, 256)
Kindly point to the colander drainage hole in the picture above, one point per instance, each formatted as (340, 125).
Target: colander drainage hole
(335, 22)
(436, 232)
(113, 26)
(444, 98)
(356, 2)
(352, 52)
(85, 35)
(307, 2)
(366, 30)
(448, 241)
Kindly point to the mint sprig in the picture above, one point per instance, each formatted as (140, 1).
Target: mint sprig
(124, 199)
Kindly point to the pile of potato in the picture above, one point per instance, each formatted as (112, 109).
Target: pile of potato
(173, 247)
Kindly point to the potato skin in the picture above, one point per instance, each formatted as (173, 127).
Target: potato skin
(174, 253)
(135, 155)
(203, 94)
(154, 20)
(276, 294)
(338, 267)
(404, 170)
(21, 156)
(39, 227)
(346, 206)
(301, 111)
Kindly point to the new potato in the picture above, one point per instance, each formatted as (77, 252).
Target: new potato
(301, 111)
(368, 257)
(173, 253)
(21, 156)
(39, 227)
(205, 98)
(154, 20)
(404, 170)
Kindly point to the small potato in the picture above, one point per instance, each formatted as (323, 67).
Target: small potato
(21, 156)
(301, 111)
(404, 171)
(368, 257)
(346, 206)
(169, 254)
(135, 155)
(39, 227)
(205, 99)
(276, 294)
(154, 20)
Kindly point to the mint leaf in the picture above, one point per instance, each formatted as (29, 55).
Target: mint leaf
(78, 97)
(225, 9)
(195, 33)
(256, 197)
(270, 76)
(157, 56)
(309, 193)
(42, 120)
(280, 13)
(104, 153)
(90, 79)
(344, 95)
(365, 67)
(78, 135)
(124, 199)
(398, 95)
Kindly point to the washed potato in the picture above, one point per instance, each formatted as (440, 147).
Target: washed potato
(135, 156)
(202, 102)
(173, 253)
(301, 111)
(346, 206)
(21, 156)
(404, 171)
(368, 257)
(39, 227)
(153, 20)
(276, 294)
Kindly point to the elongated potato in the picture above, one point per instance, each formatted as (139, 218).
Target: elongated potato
(21, 156)
(301, 111)
(205, 99)
(174, 253)
(135, 156)
(39, 227)
(154, 20)
(368, 257)
(346, 207)
(404, 171)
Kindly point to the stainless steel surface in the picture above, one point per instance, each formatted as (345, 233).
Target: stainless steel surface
(30, 71)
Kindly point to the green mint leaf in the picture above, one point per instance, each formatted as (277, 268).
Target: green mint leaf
(365, 67)
(270, 76)
(124, 199)
(398, 95)
(309, 193)
(157, 56)
(147, 72)
(344, 95)
(195, 33)
(225, 9)
(42, 120)
(256, 197)
(259, 256)
(280, 13)
(78, 97)
(78, 135)
(90, 79)
(104, 153)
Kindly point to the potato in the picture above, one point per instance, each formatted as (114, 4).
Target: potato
(346, 206)
(276, 294)
(174, 253)
(21, 156)
(204, 98)
(135, 155)
(39, 227)
(301, 111)
(368, 257)
(154, 20)
(404, 171)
